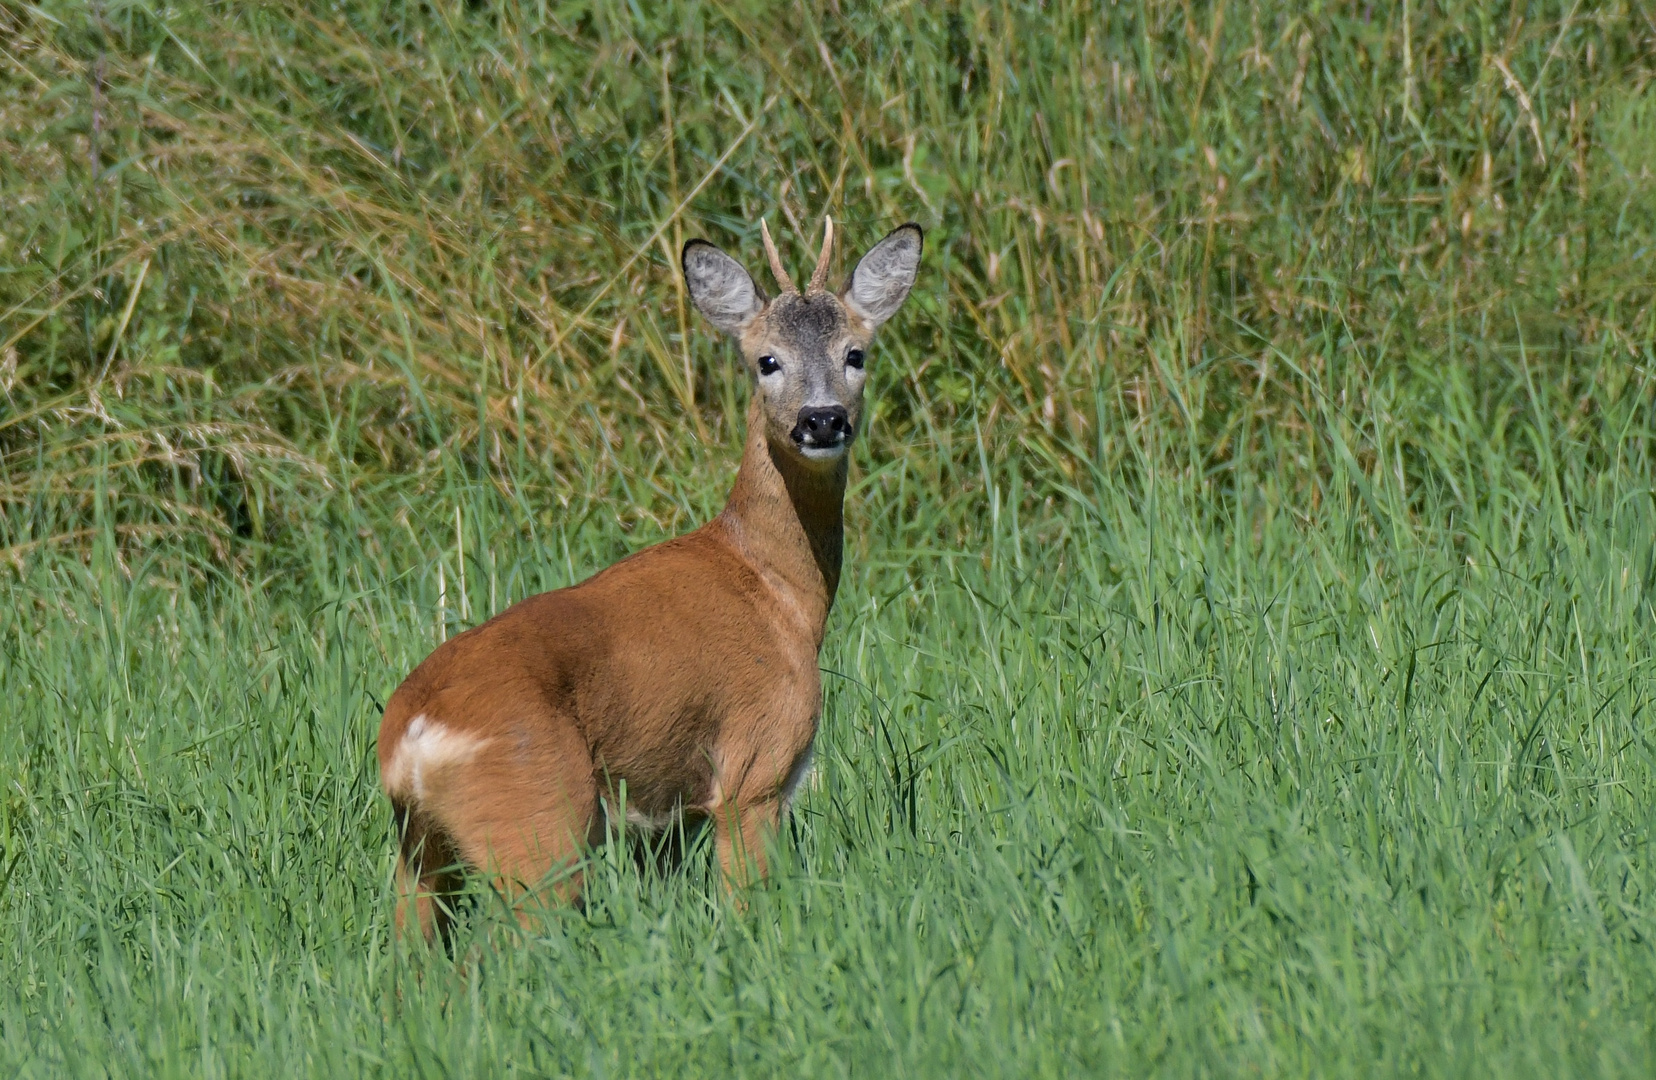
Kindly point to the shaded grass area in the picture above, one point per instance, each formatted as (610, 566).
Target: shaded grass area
(1245, 658)
(257, 254)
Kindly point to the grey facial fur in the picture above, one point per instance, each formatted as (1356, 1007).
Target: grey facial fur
(804, 351)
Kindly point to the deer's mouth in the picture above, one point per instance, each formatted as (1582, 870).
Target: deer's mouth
(821, 452)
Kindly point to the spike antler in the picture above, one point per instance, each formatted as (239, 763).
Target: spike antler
(819, 276)
(783, 282)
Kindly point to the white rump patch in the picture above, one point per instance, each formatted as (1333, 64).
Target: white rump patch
(426, 747)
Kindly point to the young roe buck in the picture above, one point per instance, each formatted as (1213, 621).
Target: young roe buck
(684, 676)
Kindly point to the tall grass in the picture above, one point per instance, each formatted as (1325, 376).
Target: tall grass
(1244, 664)
(257, 253)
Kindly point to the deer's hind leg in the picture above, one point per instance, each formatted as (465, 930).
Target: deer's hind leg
(520, 810)
(428, 876)
(514, 800)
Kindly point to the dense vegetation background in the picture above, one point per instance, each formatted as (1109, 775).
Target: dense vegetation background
(1246, 661)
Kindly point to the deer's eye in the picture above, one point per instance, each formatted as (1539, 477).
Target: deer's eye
(854, 359)
(768, 365)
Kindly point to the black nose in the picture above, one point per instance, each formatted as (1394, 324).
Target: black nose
(822, 427)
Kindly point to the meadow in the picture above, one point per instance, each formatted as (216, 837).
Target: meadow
(1246, 655)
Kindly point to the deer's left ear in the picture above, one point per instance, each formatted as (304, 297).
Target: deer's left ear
(883, 277)
(720, 288)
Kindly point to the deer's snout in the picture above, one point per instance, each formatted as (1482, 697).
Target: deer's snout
(822, 428)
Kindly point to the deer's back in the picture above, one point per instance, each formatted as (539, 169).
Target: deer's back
(651, 660)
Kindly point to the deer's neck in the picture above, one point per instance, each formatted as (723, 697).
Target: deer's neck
(788, 521)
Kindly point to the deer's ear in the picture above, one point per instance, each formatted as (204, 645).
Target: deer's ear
(721, 290)
(883, 277)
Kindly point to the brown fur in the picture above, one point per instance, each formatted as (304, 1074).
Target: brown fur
(686, 673)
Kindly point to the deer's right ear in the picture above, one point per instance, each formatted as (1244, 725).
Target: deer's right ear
(720, 288)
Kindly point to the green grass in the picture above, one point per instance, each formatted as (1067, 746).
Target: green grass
(1245, 661)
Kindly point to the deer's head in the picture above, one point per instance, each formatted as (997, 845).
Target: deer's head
(806, 351)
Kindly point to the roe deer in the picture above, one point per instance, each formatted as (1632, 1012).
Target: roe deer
(684, 675)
